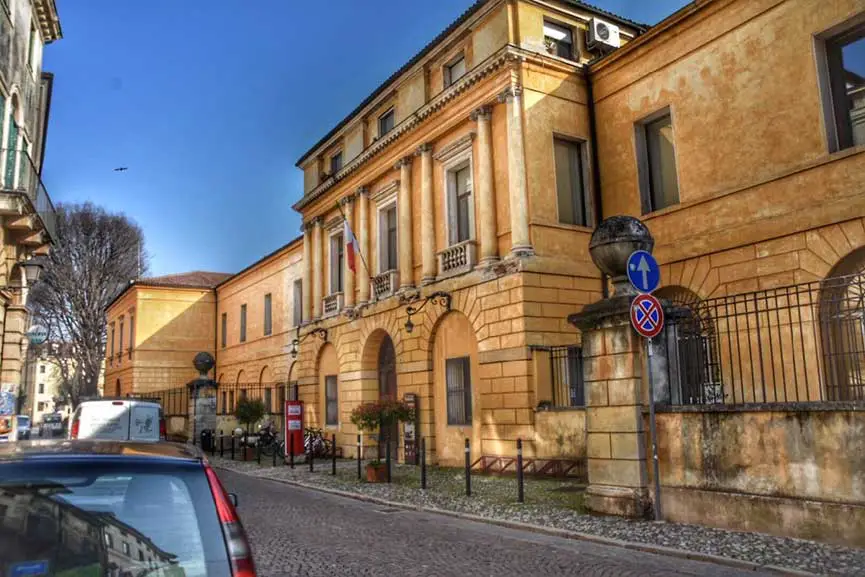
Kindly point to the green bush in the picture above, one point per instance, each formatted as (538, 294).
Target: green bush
(249, 411)
(370, 416)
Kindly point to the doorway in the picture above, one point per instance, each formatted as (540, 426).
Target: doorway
(387, 390)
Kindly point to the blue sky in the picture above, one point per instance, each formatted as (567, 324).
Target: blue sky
(210, 103)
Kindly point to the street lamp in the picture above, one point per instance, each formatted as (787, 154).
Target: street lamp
(438, 298)
(32, 268)
(320, 332)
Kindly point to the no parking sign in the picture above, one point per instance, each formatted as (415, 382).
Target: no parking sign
(647, 316)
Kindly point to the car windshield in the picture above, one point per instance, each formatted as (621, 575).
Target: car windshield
(115, 518)
(23, 421)
(52, 418)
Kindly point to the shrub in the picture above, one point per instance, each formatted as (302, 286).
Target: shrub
(370, 416)
(249, 411)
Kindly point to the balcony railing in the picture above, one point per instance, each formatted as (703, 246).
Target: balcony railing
(20, 176)
(385, 284)
(457, 259)
(332, 304)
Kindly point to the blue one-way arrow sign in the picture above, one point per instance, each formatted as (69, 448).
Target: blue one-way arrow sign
(643, 271)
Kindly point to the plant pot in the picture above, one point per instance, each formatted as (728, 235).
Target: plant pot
(249, 454)
(376, 473)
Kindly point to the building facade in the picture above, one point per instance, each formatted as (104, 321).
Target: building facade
(26, 211)
(479, 169)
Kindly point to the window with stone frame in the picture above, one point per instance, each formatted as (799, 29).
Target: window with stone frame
(573, 198)
(386, 122)
(656, 156)
(454, 70)
(336, 163)
(460, 203)
(842, 63)
(559, 39)
(387, 238)
(243, 323)
(458, 379)
(337, 262)
(331, 400)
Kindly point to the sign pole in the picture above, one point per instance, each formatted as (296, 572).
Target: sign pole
(653, 432)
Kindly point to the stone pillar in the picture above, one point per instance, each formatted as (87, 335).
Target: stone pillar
(517, 186)
(348, 289)
(406, 276)
(363, 240)
(486, 196)
(316, 267)
(616, 439)
(306, 311)
(427, 215)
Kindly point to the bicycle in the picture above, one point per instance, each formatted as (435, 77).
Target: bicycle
(315, 439)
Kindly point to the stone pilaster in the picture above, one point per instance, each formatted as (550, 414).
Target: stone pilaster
(306, 310)
(348, 274)
(404, 229)
(486, 195)
(363, 240)
(517, 185)
(427, 218)
(316, 267)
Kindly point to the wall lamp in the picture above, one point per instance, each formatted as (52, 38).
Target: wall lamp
(32, 268)
(437, 298)
(320, 332)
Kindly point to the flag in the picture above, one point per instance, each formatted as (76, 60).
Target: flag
(350, 246)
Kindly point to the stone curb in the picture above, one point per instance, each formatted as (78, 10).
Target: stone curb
(563, 533)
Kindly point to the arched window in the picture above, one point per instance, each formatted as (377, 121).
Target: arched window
(842, 328)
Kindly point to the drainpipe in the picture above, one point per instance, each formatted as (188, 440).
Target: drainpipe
(596, 167)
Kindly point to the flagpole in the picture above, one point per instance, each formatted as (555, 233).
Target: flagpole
(359, 249)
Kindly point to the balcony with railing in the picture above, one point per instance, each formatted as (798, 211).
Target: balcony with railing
(385, 284)
(457, 259)
(332, 304)
(22, 194)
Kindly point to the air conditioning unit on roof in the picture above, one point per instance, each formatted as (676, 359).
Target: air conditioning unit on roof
(602, 35)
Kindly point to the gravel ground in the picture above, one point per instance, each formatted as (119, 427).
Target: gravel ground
(559, 504)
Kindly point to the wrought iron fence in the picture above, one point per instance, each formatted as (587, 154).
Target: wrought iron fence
(801, 343)
(566, 368)
(176, 400)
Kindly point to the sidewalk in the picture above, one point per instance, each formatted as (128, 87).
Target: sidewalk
(558, 505)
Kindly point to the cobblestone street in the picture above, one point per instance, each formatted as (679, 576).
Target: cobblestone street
(300, 532)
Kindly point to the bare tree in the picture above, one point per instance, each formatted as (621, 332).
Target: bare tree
(96, 256)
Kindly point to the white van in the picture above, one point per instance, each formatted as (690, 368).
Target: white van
(118, 420)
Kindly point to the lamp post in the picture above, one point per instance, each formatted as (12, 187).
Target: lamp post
(319, 332)
(440, 298)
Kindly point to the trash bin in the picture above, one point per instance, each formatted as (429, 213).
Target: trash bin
(206, 440)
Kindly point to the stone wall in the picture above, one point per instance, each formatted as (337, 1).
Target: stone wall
(793, 470)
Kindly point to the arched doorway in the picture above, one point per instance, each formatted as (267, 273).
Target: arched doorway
(117, 388)
(387, 389)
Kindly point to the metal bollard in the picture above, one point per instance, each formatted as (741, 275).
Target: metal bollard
(387, 457)
(333, 457)
(275, 451)
(520, 490)
(468, 470)
(232, 446)
(258, 451)
(359, 457)
(212, 446)
(423, 463)
(221, 445)
(311, 466)
(291, 452)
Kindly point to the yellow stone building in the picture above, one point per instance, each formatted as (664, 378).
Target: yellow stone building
(480, 168)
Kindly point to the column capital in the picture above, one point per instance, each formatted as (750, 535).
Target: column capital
(425, 148)
(404, 161)
(512, 91)
(362, 191)
(317, 221)
(484, 112)
(346, 200)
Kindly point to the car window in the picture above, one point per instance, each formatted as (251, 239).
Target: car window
(23, 421)
(109, 519)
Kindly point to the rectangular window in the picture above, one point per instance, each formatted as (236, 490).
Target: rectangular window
(567, 373)
(120, 350)
(231, 401)
(268, 400)
(298, 302)
(125, 548)
(386, 122)
(460, 207)
(657, 162)
(31, 46)
(268, 314)
(40, 406)
(574, 206)
(332, 398)
(224, 329)
(336, 163)
(455, 70)
(243, 323)
(845, 60)
(280, 399)
(41, 388)
(387, 239)
(559, 40)
(42, 369)
(131, 334)
(337, 257)
(459, 391)
(224, 402)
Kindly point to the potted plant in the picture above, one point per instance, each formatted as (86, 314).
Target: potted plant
(368, 417)
(249, 412)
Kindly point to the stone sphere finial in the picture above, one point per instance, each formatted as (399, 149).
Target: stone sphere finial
(203, 362)
(612, 243)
